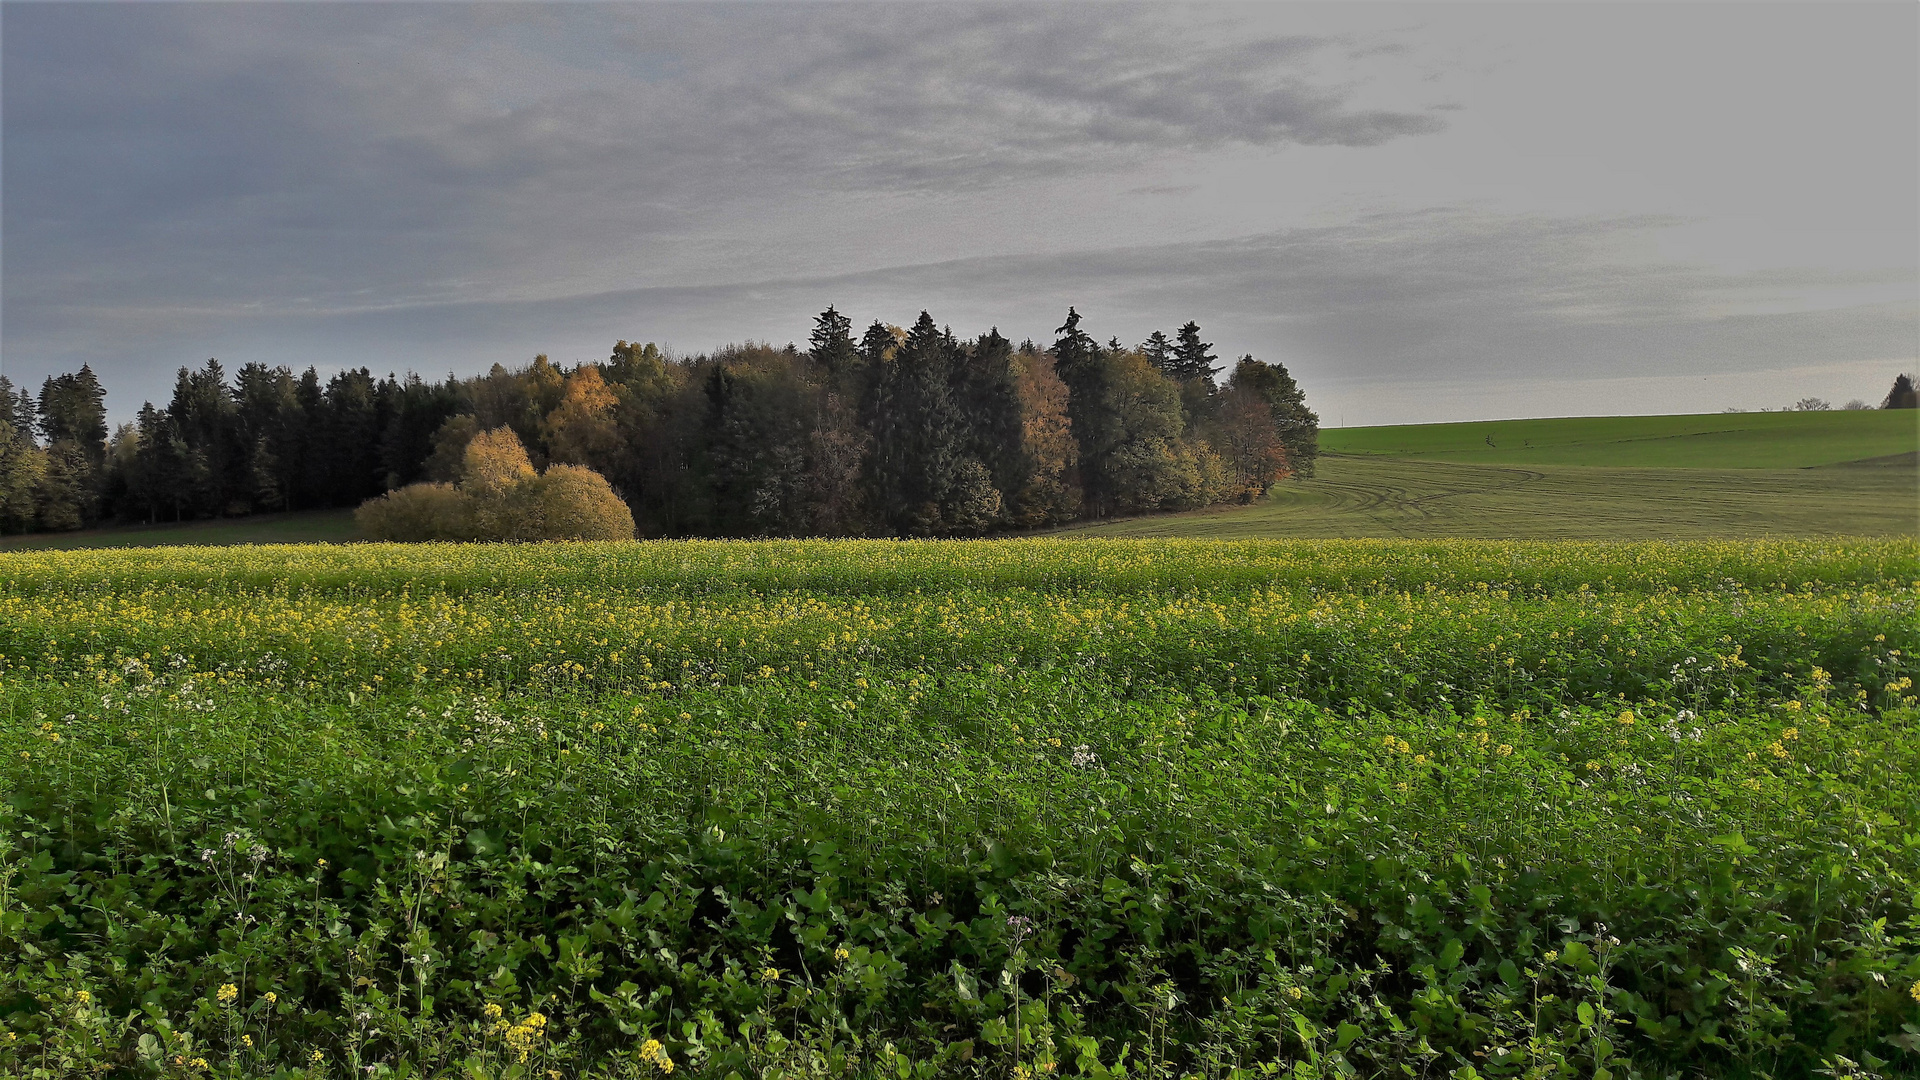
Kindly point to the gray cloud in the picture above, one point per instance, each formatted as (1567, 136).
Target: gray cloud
(1431, 298)
(307, 154)
(443, 186)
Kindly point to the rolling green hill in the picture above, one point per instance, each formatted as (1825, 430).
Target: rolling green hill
(1712, 441)
(1600, 477)
(1393, 497)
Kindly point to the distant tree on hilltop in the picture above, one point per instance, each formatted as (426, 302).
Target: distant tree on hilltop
(1902, 395)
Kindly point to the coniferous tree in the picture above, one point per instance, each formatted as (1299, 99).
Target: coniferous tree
(415, 409)
(351, 423)
(21, 461)
(73, 409)
(1902, 396)
(831, 346)
(1192, 358)
(930, 425)
(987, 397)
(1079, 363)
(757, 437)
(270, 433)
(1159, 352)
(207, 420)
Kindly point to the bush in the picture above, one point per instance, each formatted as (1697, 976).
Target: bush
(418, 512)
(500, 497)
(567, 502)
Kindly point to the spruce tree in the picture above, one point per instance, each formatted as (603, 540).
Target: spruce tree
(1078, 361)
(1192, 358)
(987, 397)
(831, 344)
(1159, 352)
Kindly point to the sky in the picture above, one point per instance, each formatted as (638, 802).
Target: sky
(1426, 211)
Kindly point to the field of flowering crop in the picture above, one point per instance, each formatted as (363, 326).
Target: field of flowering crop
(975, 809)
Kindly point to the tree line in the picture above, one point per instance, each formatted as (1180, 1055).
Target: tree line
(897, 431)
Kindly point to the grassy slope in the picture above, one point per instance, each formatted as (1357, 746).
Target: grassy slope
(310, 527)
(1712, 441)
(1599, 477)
(1387, 497)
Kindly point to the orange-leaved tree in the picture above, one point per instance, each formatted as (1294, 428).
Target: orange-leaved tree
(501, 497)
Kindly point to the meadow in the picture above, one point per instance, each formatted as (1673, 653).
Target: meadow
(990, 809)
(1713, 476)
(1776, 440)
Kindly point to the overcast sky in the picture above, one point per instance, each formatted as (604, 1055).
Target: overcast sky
(1426, 211)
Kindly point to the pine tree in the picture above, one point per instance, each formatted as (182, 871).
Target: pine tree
(1902, 396)
(1192, 358)
(21, 461)
(927, 428)
(73, 409)
(1159, 352)
(206, 418)
(351, 424)
(987, 399)
(1077, 360)
(831, 344)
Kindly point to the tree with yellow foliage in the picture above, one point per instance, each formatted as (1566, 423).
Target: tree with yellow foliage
(501, 497)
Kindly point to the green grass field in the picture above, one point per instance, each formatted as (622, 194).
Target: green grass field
(981, 810)
(309, 527)
(1610, 477)
(1389, 497)
(1711, 441)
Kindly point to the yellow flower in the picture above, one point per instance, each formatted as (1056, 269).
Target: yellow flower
(1914, 990)
(841, 954)
(1296, 993)
(83, 997)
(316, 1057)
(1777, 750)
(769, 974)
(1504, 750)
(491, 1012)
(272, 998)
(227, 994)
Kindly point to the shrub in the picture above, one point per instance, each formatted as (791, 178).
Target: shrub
(500, 497)
(418, 512)
(567, 502)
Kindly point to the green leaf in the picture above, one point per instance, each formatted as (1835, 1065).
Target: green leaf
(1451, 953)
